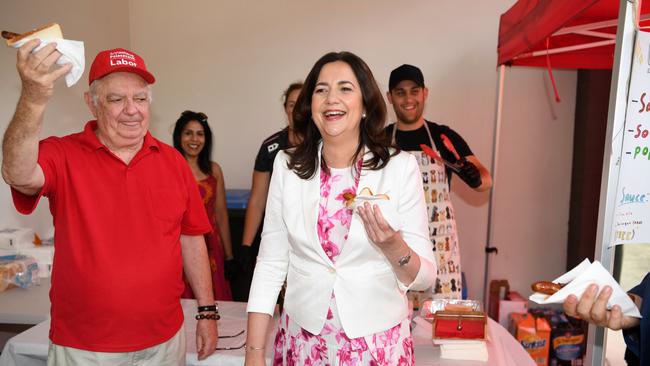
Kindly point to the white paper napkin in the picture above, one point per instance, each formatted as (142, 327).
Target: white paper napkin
(72, 53)
(579, 278)
(467, 352)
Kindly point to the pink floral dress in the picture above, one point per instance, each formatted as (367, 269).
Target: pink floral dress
(296, 346)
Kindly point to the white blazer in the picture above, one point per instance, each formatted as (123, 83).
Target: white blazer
(369, 296)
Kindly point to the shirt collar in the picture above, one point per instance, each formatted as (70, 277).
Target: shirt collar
(89, 138)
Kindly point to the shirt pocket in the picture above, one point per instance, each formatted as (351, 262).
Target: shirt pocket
(168, 206)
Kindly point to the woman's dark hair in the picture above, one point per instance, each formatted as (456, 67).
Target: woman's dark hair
(204, 156)
(292, 87)
(303, 159)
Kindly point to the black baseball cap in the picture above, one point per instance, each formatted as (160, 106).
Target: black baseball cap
(405, 72)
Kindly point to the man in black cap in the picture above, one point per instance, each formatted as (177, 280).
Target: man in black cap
(440, 151)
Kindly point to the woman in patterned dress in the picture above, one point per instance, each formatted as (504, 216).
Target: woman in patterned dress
(193, 139)
(347, 270)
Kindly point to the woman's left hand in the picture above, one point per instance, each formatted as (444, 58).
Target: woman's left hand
(377, 228)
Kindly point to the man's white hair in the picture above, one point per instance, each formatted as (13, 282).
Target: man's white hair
(96, 84)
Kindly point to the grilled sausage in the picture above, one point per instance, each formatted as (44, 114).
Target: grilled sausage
(546, 287)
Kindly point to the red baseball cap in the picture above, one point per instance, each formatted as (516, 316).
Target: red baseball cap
(116, 60)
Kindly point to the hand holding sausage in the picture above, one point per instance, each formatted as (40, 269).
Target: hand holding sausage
(36, 72)
(592, 307)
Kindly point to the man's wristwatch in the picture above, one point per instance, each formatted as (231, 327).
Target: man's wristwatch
(404, 260)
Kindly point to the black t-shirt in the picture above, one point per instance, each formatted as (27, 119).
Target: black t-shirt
(411, 140)
(269, 149)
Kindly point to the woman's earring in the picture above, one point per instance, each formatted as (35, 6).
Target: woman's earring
(363, 115)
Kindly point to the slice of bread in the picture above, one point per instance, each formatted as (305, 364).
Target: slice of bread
(382, 196)
(365, 192)
(45, 32)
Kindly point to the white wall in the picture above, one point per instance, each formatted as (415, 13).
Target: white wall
(531, 214)
(232, 60)
(100, 25)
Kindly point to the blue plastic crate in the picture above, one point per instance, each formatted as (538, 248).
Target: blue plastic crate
(237, 199)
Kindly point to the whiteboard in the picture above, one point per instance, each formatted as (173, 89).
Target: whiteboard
(632, 211)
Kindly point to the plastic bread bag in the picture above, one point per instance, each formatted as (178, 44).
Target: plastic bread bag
(18, 271)
(430, 307)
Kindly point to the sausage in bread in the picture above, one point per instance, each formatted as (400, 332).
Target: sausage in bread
(49, 31)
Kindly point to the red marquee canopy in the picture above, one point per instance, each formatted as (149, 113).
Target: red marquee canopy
(578, 34)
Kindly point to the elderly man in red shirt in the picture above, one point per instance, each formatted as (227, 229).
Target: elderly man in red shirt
(127, 215)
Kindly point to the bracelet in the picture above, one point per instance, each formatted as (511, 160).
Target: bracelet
(254, 348)
(404, 260)
(213, 308)
(213, 316)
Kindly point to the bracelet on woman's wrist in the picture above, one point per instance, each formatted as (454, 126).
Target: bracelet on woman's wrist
(254, 348)
(405, 259)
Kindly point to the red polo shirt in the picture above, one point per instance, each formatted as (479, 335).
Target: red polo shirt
(117, 273)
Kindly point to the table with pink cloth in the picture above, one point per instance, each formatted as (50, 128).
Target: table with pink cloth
(30, 347)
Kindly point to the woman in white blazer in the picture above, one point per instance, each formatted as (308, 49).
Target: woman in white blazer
(347, 271)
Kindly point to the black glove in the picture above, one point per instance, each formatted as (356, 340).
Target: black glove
(469, 173)
(245, 258)
(231, 269)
